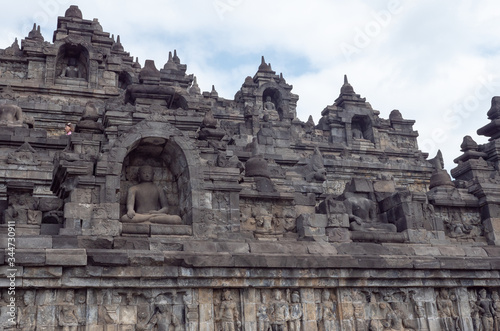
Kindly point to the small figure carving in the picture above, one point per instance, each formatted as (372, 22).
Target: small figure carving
(263, 322)
(279, 312)
(264, 224)
(163, 319)
(421, 316)
(486, 310)
(295, 312)
(11, 116)
(463, 226)
(146, 203)
(476, 318)
(228, 313)
(68, 313)
(391, 321)
(496, 306)
(359, 315)
(27, 315)
(449, 318)
(327, 312)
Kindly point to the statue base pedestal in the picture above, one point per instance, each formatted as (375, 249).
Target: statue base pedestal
(156, 229)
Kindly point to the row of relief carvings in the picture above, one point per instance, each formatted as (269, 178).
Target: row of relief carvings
(256, 309)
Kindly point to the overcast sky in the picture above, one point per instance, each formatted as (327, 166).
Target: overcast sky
(438, 62)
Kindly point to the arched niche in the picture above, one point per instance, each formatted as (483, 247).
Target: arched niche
(273, 97)
(361, 128)
(173, 159)
(72, 62)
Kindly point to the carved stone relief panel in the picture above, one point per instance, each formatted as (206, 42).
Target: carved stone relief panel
(267, 219)
(251, 309)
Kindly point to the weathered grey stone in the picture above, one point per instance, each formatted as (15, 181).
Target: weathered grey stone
(146, 258)
(34, 242)
(100, 242)
(107, 257)
(162, 246)
(180, 230)
(131, 228)
(131, 243)
(29, 257)
(492, 229)
(42, 272)
(206, 247)
(76, 210)
(233, 247)
(99, 227)
(66, 257)
(338, 235)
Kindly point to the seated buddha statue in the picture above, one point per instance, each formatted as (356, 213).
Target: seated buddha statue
(147, 203)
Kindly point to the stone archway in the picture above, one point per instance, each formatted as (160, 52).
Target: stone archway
(170, 153)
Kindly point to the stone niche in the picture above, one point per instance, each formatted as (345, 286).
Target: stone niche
(170, 170)
(72, 65)
(156, 153)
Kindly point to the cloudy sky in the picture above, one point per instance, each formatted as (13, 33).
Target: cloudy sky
(438, 62)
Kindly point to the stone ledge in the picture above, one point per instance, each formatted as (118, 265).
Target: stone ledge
(66, 257)
(104, 257)
(267, 255)
(29, 257)
(42, 272)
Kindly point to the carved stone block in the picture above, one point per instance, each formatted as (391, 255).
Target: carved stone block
(34, 217)
(68, 257)
(75, 210)
(99, 227)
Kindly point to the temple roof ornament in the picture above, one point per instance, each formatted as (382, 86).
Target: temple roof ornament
(35, 33)
(264, 67)
(194, 89)
(73, 12)
(117, 46)
(347, 88)
(149, 71)
(170, 63)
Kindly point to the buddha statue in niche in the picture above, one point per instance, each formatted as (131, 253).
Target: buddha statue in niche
(147, 203)
(270, 112)
(71, 70)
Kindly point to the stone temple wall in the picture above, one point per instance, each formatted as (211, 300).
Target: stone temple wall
(168, 208)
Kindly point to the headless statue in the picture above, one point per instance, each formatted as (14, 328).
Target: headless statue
(363, 214)
(146, 203)
(71, 70)
(11, 116)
